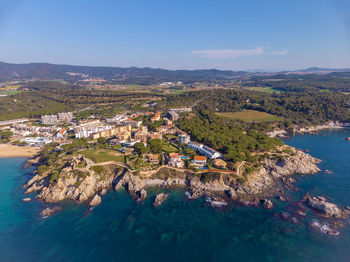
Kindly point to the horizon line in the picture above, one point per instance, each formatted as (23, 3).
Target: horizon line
(321, 68)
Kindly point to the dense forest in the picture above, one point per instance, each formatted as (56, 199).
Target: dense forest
(50, 97)
(336, 81)
(234, 141)
(295, 108)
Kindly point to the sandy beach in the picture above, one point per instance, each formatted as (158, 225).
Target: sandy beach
(8, 150)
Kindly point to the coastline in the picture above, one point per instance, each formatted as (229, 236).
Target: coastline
(8, 150)
(303, 130)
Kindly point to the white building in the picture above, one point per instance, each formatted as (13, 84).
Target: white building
(36, 141)
(183, 139)
(87, 128)
(49, 119)
(116, 119)
(204, 150)
(65, 117)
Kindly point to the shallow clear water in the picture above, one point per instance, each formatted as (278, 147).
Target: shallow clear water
(179, 230)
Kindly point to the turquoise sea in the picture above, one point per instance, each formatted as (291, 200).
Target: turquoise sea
(179, 230)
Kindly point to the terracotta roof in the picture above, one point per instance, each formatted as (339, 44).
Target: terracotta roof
(200, 158)
(62, 131)
(172, 155)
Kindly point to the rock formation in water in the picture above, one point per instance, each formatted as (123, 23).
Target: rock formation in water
(160, 198)
(326, 208)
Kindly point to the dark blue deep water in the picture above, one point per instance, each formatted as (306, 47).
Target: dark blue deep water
(179, 230)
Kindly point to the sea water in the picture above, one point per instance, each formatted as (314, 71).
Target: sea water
(179, 230)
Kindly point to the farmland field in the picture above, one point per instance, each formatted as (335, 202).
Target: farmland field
(262, 89)
(250, 116)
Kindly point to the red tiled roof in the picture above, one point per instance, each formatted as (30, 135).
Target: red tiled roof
(172, 155)
(200, 158)
(62, 131)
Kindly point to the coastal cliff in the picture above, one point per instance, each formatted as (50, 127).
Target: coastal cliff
(80, 179)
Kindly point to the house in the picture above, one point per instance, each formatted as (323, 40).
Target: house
(174, 155)
(150, 158)
(199, 160)
(61, 134)
(175, 160)
(156, 117)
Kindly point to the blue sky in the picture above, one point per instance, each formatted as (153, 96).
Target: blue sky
(178, 34)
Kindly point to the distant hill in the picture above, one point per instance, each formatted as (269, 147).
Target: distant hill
(320, 69)
(44, 71)
(132, 75)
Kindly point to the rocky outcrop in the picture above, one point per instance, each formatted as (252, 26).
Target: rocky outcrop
(96, 200)
(160, 198)
(325, 208)
(76, 180)
(274, 171)
(79, 179)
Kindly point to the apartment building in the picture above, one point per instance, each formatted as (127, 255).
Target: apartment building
(49, 119)
(204, 150)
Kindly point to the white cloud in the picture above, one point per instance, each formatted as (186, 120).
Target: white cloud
(284, 52)
(235, 53)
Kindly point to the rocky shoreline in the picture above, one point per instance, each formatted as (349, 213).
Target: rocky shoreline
(304, 130)
(79, 180)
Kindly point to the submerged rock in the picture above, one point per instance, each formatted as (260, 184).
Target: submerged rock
(49, 211)
(267, 203)
(27, 199)
(324, 228)
(160, 198)
(287, 216)
(216, 201)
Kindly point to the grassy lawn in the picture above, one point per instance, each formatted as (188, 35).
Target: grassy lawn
(168, 148)
(99, 156)
(9, 92)
(251, 116)
(263, 89)
(133, 87)
(12, 87)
